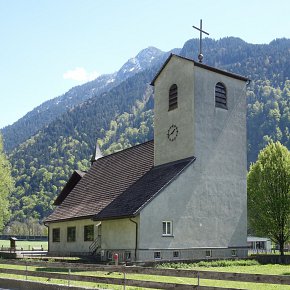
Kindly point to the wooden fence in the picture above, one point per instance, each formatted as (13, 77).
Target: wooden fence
(69, 268)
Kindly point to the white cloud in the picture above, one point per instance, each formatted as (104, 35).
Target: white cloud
(79, 74)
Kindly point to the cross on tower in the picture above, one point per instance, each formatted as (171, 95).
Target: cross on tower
(200, 56)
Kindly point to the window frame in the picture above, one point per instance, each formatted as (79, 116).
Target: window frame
(89, 237)
(167, 231)
(221, 99)
(234, 252)
(175, 254)
(157, 255)
(128, 256)
(56, 239)
(208, 253)
(173, 97)
(71, 234)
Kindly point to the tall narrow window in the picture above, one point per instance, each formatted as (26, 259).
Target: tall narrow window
(89, 233)
(167, 228)
(71, 234)
(172, 97)
(55, 235)
(220, 96)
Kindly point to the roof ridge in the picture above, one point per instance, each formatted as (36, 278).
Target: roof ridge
(126, 149)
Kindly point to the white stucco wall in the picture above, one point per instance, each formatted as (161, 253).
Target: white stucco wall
(207, 203)
(119, 234)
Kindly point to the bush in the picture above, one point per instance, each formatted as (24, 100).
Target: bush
(208, 264)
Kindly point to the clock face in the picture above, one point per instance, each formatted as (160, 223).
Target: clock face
(172, 132)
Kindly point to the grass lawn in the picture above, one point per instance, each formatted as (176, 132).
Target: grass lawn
(254, 269)
(26, 245)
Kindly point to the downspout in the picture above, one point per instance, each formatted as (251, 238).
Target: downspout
(136, 238)
(47, 236)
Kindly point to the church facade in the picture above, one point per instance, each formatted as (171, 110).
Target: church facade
(179, 197)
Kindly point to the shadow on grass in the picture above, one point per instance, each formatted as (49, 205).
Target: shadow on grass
(286, 273)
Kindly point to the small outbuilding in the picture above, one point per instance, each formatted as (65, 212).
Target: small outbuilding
(259, 245)
(13, 244)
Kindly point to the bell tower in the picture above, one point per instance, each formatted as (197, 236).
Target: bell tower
(174, 111)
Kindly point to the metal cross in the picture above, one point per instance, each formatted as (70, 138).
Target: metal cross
(200, 56)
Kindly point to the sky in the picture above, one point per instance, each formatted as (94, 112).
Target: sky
(50, 46)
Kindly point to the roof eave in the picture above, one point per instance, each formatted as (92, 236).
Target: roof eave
(137, 212)
(68, 219)
(198, 64)
(95, 218)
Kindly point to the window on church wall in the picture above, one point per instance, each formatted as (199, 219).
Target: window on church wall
(167, 228)
(208, 253)
(157, 255)
(175, 254)
(89, 233)
(234, 252)
(55, 235)
(173, 97)
(220, 96)
(71, 234)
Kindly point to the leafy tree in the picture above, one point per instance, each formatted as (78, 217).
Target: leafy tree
(269, 194)
(6, 186)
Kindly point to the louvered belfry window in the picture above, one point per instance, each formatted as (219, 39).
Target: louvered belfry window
(172, 97)
(220, 96)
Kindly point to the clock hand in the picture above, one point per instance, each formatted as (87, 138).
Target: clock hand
(172, 131)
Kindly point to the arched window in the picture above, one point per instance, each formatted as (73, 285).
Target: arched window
(220, 96)
(172, 97)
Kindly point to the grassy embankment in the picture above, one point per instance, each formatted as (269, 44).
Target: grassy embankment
(224, 266)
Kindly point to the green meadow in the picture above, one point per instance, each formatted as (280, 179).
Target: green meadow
(26, 245)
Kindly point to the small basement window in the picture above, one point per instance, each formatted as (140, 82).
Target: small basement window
(234, 253)
(56, 235)
(220, 96)
(127, 256)
(157, 255)
(173, 97)
(175, 254)
(208, 253)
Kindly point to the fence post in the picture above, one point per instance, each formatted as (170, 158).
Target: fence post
(124, 271)
(26, 270)
(197, 278)
(68, 280)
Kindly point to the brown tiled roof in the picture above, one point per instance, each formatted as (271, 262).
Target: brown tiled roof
(134, 198)
(117, 185)
(108, 177)
(72, 182)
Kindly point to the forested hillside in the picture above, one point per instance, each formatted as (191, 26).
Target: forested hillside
(50, 110)
(122, 116)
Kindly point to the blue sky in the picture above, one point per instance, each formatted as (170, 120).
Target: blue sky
(49, 46)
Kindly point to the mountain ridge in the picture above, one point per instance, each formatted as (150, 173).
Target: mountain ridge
(123, 116)
(48, 111)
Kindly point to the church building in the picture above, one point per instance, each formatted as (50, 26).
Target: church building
(181, 196)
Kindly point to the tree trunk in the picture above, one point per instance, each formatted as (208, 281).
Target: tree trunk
(281, 245)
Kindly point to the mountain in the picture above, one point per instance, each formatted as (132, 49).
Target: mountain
(122, 116)
(50, 110)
